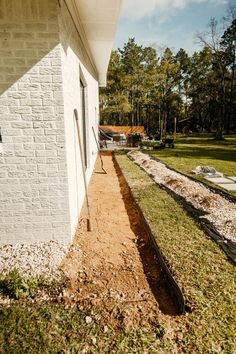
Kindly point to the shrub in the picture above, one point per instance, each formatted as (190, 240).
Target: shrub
(16, 286)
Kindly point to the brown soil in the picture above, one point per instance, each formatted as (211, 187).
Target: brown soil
(113, 267)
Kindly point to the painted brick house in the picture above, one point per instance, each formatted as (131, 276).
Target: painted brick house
(53, 56)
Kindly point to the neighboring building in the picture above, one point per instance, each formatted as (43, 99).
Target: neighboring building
(53, 56)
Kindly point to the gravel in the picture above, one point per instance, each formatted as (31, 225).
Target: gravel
(38, 259)
(219, 211)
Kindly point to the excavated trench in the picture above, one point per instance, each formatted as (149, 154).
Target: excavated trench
(115, 267)
(169, 281)
(156, 272)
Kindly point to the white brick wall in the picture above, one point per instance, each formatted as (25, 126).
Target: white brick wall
(76, 63)
(42, 60)
(33, 172)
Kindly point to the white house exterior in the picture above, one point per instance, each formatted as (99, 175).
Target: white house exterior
(53, 56)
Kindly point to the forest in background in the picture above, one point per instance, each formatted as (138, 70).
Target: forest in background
(145, 87)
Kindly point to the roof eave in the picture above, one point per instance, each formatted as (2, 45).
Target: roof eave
(96, 22)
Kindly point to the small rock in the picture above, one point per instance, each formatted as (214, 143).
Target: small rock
(105, 329)
(142, 292)
(88, 319)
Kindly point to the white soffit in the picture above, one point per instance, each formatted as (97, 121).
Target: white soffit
(99, 19)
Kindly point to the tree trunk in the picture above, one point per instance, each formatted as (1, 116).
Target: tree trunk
(231, 96)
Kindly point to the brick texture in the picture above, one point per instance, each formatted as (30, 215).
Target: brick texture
(33, 172)
(76, 66)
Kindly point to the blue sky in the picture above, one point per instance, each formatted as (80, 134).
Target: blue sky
(172, 23)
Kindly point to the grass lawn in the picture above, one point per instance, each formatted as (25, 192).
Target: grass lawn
(194, 150)
(57, 329)
(202, 270)
(50, 326)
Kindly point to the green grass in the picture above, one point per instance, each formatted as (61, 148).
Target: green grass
(202, 270)
(16, 286)
(191, 151)
(57, 329)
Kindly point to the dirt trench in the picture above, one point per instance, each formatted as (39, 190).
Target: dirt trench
(114, 268)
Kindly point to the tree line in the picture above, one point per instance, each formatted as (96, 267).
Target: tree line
(154, 89)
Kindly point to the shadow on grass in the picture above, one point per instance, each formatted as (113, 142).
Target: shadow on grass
(201, 146)
(224, 153)
(206, 139)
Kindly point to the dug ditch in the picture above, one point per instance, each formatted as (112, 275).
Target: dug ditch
(116, 268)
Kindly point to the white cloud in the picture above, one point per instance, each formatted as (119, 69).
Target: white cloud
(137, 9)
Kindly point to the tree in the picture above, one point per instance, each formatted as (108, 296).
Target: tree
(131, 57)
(228, 44)
(212, 40)
(184, 75)
(201, 91)
(114, 104)
(168, 75)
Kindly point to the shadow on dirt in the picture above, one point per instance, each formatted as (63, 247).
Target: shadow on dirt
(152, 267)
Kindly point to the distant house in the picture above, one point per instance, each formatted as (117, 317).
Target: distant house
(53, 56)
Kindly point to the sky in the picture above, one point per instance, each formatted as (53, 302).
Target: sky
(168, 23)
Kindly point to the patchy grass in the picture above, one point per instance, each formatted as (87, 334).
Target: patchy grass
(57, 329)
(195, 150)
(199, 266)
(16, 286)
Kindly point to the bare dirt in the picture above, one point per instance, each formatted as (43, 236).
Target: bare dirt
(113, 267)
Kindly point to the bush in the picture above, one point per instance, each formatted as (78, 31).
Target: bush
(150, 145)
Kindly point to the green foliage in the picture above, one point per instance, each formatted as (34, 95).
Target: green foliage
(56, 329)
(16, 286)
(152, 89)
(151, 145)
